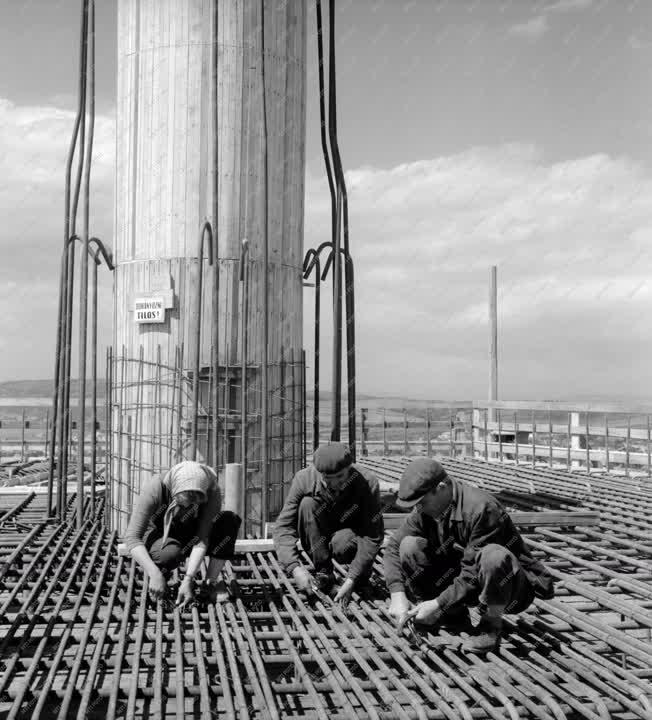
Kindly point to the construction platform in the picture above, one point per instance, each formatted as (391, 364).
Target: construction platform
(79, 637)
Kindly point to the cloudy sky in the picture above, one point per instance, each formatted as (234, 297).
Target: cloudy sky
(472, 133)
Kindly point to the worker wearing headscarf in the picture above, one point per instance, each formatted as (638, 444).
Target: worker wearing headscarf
(178, 516)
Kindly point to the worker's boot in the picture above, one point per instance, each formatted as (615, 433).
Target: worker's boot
(487, 634)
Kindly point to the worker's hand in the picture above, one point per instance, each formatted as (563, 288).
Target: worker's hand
(185, 594)
(302, 578)
(427, 613)
(157, 585)
(399, 607)
(344, 593)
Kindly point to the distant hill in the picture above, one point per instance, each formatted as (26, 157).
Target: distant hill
(40, 388)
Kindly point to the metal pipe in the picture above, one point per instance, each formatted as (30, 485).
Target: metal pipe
(265, 269)
(94, 377)
(83, 308)
(216, 227)
(206, 231)
(315, 411)
(244, 312)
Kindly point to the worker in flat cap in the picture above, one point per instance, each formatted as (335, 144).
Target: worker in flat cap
(333, 508)
(457, 548)
(178, 516)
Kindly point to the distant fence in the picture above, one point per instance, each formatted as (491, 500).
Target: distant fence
(26, 435)
(590, 437)
(611, 438)
(441, 428)
(600, 438)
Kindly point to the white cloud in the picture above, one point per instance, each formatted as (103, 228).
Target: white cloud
(563, 6)
(537, 26)
(532, 29)
(572, 243)
(34, 144)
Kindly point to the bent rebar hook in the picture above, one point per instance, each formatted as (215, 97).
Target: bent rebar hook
(206, 232)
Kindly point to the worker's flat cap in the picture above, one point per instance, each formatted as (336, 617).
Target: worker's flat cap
(332, 458)
(419, 477)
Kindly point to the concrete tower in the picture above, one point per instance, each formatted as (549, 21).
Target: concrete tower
(239, 165)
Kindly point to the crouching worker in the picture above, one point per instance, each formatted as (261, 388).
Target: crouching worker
(334, 509)
(494, 570)
(178, 516)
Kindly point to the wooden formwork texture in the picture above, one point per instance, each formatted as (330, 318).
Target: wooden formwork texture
(80, 638)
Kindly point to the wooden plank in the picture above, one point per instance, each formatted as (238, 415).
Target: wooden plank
(596, 454)
(521, 519)
(524, 519)
(609, 407)
(597, 430)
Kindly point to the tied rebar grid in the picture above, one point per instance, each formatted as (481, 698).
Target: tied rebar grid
(80, 638)
(161, 413)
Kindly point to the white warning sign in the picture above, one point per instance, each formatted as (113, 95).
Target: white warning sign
(149, 310)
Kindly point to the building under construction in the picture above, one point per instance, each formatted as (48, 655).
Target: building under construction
(207, 363)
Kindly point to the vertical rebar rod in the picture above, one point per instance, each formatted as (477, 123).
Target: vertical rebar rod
(22, 435)
(550, 437)
(107, 436)
(486, 433)
(406, 445)
(157, 428)
(568, 444)
(215, 359)
(627, 444)
(118, 505)
(47, 428)
(588, 450)
(500, 435)
(516, 436)
(94, 379)
(175, 374)
(385, 448)
(336, 401)
(606, 441)
(649, 450)
(317, 341)
(244, 351)
(206, 231)
(264, 369)
(304, 406)
(180, 453)
(428, 433)
(138, 420)
(83, 307)
(62, 363)
(534, 445)
(493, 335)
(451, 446)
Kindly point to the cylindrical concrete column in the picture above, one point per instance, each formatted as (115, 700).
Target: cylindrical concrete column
(167, 182)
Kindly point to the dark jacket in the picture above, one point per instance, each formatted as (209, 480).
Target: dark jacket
(476, 519)
(356, 506)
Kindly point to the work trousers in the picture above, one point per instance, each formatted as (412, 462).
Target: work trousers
(183, 537)
(322, 538)
(501, 582)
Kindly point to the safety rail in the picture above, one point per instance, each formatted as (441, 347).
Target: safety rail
(586, 437)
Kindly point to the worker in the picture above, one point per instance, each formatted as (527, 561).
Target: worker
(178, 516)
(333, 508)
(491, 567)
